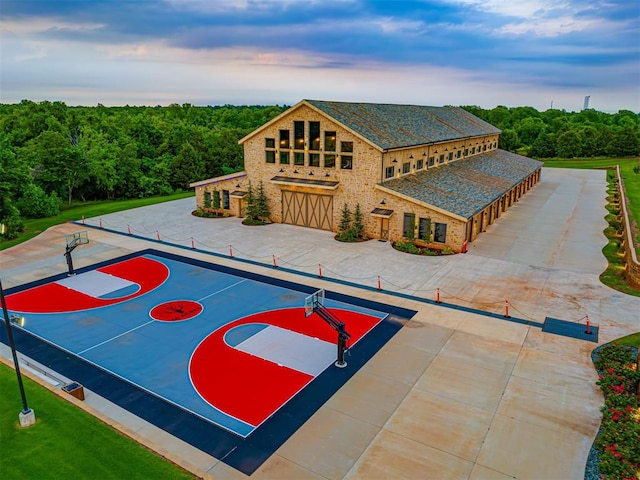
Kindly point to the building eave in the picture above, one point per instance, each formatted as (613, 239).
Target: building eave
(222, 178)
(347, 128)
(304, 182)
(270, 122)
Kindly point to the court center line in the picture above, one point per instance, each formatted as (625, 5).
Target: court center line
(220, 291)
(113, 338)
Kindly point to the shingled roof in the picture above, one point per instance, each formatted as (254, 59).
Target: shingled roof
(394, 126)
(465, 187)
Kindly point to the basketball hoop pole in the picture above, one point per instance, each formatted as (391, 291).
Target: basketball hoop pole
(343, 336)
(27, 417)
(67, 255)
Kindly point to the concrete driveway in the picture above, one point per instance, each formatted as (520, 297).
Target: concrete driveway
(454, 394)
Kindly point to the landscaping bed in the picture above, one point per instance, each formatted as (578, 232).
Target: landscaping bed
(414, 248)
(616, 451)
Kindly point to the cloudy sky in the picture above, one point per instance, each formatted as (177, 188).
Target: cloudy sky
(428, 52)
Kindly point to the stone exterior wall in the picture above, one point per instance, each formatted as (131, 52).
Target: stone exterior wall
(357, 185)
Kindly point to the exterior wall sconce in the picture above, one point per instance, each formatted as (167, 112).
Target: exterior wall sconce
(238, 185)
(295, 171)
(282, 170)
(383, 202)
(411, 156)
(310, 173)
(394, 161)
(424, 154)
(326, 174)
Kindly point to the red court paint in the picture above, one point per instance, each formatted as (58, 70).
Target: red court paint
(54, 298)
(176, 311)
(250, 388)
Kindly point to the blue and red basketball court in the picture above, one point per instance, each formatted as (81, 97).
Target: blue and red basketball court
(221, 358)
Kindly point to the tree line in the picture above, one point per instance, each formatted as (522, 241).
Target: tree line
(51, 153)
(557, 133)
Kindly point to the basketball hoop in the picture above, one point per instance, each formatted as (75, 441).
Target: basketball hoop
(72, 241)
(313, 301)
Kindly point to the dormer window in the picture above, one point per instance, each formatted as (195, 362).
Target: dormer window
(389, 172)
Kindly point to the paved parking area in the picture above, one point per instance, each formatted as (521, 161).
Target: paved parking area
(453, 394)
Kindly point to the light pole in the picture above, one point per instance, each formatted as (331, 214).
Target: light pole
(27, 416)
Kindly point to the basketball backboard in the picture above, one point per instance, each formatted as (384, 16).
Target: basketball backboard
(77, 238)
(312, 301)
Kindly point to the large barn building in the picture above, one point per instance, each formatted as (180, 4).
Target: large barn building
(431, 173)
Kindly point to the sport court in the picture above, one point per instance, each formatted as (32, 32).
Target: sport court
(224, 359)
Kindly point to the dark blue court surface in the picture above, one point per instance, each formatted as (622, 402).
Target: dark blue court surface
(130, 326)
(570, 329)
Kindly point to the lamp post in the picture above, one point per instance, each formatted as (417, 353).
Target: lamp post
(27, 416)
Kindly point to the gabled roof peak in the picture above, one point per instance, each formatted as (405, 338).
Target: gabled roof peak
(389, 126)
(395, 126)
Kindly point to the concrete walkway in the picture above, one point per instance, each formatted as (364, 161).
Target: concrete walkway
(453, 394)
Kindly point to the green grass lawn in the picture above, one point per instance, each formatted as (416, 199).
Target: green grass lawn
(88, 209)
(67, 442)
(632, 340)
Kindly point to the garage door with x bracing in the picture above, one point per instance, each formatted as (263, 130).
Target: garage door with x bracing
(307, 210)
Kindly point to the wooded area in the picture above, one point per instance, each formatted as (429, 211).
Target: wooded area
(52, 153)
(556, 133)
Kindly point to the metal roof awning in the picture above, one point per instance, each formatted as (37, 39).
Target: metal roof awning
(238, 194)
(305, 182)
(382, 212)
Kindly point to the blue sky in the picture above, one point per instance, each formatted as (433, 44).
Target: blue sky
(426, 52)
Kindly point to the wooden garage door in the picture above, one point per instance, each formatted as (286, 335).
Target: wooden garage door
(307, 210)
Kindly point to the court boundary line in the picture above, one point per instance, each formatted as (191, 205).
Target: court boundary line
(117, 336)
(222, 290)
(245, 455)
